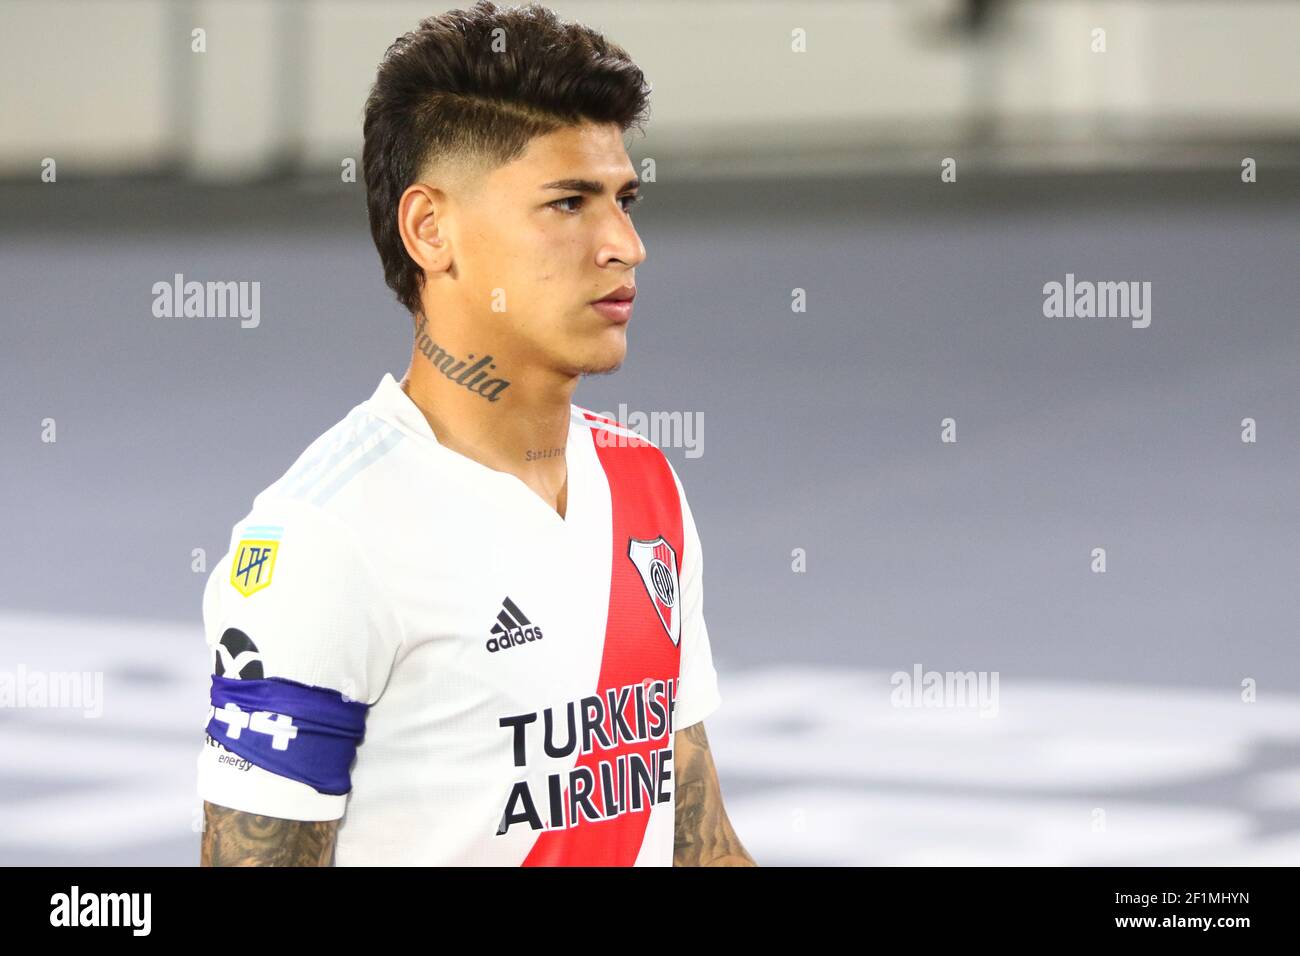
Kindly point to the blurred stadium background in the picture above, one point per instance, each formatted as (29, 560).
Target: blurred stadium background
(782, 159)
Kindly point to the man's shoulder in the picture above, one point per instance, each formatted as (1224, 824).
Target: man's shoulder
(318, 467)
(325, 484)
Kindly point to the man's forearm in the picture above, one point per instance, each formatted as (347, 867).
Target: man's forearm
(234, 838)
(703, 835)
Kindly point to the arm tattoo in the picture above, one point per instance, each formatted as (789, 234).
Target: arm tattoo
(703, 834)
(234, 838)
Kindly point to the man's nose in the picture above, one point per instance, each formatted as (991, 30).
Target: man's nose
(623, 243)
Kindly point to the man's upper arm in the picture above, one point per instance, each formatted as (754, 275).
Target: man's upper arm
(302, 643)
(235, 838)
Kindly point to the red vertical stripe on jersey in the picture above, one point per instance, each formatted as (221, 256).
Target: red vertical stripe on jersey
(645, 505)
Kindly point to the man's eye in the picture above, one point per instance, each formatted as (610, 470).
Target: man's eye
(629, 201)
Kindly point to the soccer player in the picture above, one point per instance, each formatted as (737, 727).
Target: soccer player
(466, 626)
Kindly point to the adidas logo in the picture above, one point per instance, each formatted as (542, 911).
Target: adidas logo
(512, 627)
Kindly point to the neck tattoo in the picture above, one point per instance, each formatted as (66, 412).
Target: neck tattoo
(473, 377)
(536, 454)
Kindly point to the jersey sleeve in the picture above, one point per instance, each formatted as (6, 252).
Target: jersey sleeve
(301, 642)
(697, 683)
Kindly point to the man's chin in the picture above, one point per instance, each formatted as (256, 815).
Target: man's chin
(599, 365)
(600, 369)
(603, 362)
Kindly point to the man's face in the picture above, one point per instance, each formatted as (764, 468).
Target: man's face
(530, 239)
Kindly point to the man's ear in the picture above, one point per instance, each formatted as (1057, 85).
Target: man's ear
(420, 222)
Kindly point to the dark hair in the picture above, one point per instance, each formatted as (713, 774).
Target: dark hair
(443, 91)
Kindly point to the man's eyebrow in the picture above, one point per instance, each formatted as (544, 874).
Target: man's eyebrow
(590, 186)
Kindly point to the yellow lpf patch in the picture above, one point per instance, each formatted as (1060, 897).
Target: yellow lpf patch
(250, 569)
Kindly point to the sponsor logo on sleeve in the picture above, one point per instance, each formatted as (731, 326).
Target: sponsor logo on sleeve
(254, 560)
(237, 656)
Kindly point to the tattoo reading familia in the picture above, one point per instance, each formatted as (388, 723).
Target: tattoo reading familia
(473, 377)
(637, 777)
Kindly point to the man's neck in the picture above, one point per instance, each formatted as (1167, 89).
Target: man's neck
(523, 432)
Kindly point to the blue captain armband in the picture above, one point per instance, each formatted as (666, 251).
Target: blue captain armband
(308, 734)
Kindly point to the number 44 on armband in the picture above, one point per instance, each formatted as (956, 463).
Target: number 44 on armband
(279, 727)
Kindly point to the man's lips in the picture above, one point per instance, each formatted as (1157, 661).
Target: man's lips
(617, 306)
(618, 311)
(622, 294)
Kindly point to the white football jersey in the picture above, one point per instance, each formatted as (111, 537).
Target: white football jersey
(418, 645)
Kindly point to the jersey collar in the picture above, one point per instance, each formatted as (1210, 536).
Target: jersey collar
(391, 403)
